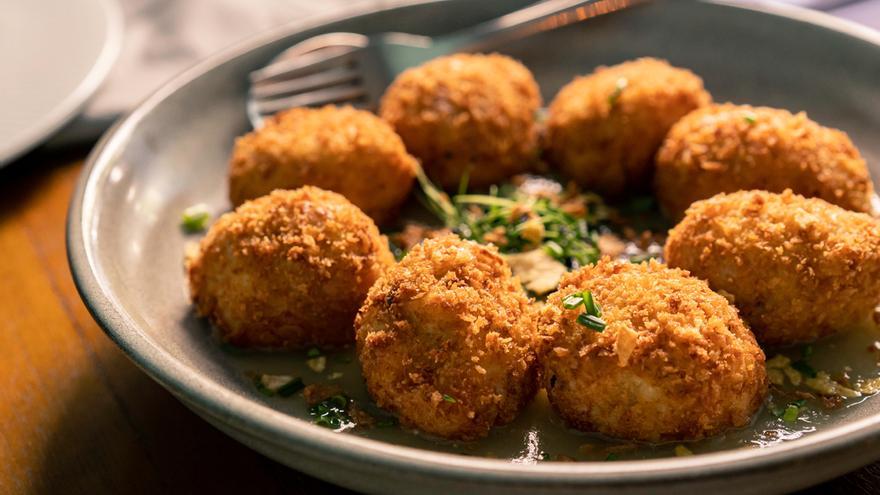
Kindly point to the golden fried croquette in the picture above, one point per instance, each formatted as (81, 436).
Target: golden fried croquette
(341, 149)
(675, 361)
(446, 340)
(727, 148)
(288, 270)
(798, 269)
(467, 113)
(604, 129)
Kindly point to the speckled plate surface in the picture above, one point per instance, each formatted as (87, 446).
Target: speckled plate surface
(126, 247)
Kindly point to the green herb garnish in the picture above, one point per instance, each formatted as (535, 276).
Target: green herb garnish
(517, 222)
(313, 352)
(750, 118)
(619, 86)
(790, 412)
(281, 385)
(449, 398)
(332, 413)
(591, 322)
(195, 218)
(592, 317)
(612, 457)
(804, 368)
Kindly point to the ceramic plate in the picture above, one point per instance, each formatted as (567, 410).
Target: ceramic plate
(126, 246)
(54, 54)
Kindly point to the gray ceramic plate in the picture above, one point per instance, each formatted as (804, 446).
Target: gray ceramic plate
(126, 248)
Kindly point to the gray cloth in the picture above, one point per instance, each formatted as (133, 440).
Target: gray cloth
(164, 37)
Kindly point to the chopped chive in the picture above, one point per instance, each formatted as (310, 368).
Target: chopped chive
(282, 385)
(591, 305)
(790, 414)
(611, 457)
(292, 387)
(572, 301)
(449, 398)
(591, 322)
(332, 413)
(804, 368)
(554, 249)
(313, 352)
(750, 118)
(195, 218)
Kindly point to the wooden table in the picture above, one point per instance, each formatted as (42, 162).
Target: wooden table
(76, 416)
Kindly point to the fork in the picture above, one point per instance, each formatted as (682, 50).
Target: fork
(355, 69)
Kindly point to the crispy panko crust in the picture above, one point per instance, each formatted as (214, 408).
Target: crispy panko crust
(447, 339)
(288, 270)
(798, 269)
(467, 112)
(341, 149)
(604, 137)
(675, 361)
(727, 148)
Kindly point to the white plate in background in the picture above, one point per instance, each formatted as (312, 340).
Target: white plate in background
(53, 56)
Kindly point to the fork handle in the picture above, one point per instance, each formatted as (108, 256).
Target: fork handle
(539, 17)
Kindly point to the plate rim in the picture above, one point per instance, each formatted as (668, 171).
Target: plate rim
(295, 435)
(70, 105)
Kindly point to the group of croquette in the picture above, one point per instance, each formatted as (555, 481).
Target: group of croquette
(775, 246)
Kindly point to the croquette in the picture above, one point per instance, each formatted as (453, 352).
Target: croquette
(604, 129)
(674, 362)
(798, 269)
(447, 339)
(341, 149)
(288, 270)
(727, 148)
(467, 113)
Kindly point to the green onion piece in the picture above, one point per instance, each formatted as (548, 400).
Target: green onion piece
(195, 218)
(463, 182)
(449, 398)
(572, 301)
(612, 457)
(790, 414)
(313, 352)
(804, 368)
(554, 249)
(483, 199)
(292, 387)
(591, 322)
(591, 305)
(749, 118)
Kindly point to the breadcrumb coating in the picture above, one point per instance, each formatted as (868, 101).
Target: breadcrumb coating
(288, 270)
(727, 148)
(447, 339)
(341, 149)
(467, 112)
(675, 361)
(603, 129)
(798, 269)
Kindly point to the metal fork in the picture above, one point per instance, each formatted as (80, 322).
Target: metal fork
(349, 68)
